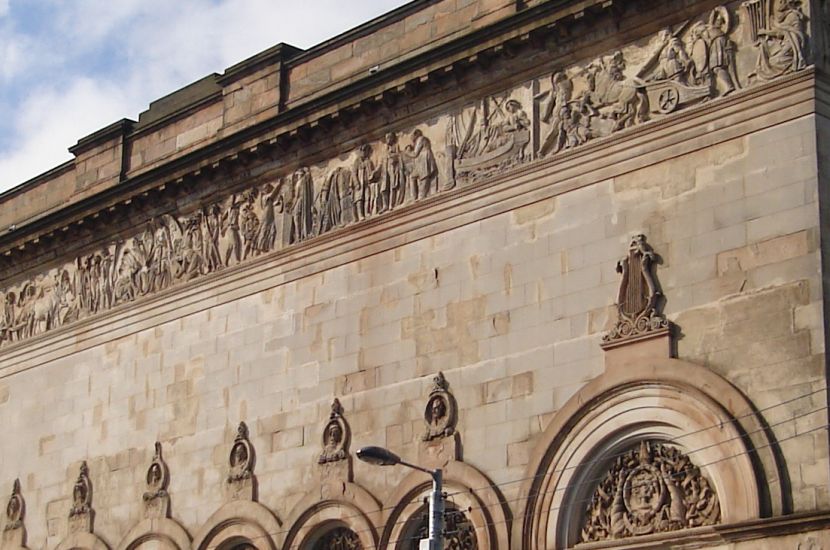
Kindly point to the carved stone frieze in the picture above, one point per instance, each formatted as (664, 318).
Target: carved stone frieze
(81, 513)
(638, 299)
(718, 53)
(156, 499)
(652, 488)
(241, 461)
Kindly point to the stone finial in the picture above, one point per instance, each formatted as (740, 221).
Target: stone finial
(638, 298)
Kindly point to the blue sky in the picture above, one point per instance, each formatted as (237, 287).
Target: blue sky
(70, 67)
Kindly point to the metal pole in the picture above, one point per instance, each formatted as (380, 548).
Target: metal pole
(436, 511)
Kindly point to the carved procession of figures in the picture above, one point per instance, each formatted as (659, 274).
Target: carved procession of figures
(729, 48)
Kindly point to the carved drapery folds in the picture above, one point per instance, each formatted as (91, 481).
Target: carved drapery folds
(240, 480)
(638, 299)
(81, 513)
(717, 53)
(156, 499)
(652, 488)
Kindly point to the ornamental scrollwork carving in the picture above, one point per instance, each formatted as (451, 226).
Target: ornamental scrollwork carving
(441, 412)
(718, 53)
(339, 538)
(15, 509)
(336, 436)
(638, 298)
(652, 488)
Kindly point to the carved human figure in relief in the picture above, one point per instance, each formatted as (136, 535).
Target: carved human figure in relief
(423, 173)
(327, 205)
(608, 87)
(782, 46)
(440, 412)
(393, 172)
(81, 493)
(335, 436)
(302, 206)
(15, 508)
(231, 232)
(365, 188)
(266, 235)
(241, 458)
(721, 59)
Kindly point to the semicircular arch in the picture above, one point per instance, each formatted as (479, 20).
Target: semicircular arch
(166, 533)
(471, 492)
(353, 508)
(236, 523)
(666, 400)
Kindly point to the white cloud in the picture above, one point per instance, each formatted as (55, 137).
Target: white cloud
(4, 7)
(161, 46)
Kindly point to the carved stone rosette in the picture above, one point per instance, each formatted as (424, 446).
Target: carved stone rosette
(652, 488)
(440, 414)
(81, 513)
(240, 480)
(336, 436)
(638, 299)
(156, 499)
(15, 509)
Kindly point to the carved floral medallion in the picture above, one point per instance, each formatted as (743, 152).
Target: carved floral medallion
(652, 488)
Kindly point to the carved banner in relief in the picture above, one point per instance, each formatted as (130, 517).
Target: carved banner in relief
(718, 53)
(650, 489)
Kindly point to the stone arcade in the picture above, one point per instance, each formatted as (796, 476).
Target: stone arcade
(568, 251)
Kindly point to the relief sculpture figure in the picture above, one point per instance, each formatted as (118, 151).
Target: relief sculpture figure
(302, 207)
(781, 46)
(609, 87)
(393, 172)
(423, 174)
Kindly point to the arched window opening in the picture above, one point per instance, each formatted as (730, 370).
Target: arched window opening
(337, 538)
(459, 532)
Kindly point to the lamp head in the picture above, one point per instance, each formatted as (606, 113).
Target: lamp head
(378, 456)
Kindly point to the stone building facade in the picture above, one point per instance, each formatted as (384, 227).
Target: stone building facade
(570, 252)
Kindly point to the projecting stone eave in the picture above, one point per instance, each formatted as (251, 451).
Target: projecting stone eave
(29, 226)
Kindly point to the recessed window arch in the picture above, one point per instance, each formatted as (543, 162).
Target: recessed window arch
(459, 531)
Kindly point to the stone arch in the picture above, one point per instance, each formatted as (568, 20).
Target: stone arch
(82, 541)
(663, 399)
(351, 507)
(239, 522)
(165, 533)
(470, 490)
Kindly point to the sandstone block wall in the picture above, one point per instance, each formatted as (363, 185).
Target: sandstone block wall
(511, 307)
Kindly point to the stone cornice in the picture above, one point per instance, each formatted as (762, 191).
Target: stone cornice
(433, 70)
(699, 127)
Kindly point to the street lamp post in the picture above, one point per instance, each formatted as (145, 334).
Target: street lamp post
(384, 457)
